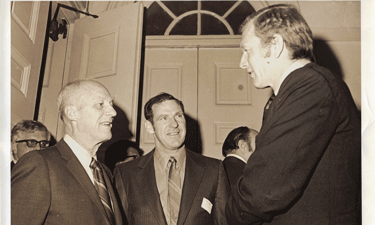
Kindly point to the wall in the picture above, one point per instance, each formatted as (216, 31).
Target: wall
(336, 27)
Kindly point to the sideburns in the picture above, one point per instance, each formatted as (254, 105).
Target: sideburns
(265, 50)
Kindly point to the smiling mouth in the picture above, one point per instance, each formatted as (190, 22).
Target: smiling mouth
(107, 124)
(173, 134)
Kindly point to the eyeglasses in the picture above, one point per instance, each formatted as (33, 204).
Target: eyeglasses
(31, 143)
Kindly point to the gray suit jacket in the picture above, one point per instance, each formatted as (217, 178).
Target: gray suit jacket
(204, 178)
(50, 186)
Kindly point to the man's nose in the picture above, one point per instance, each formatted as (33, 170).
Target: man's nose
(37, 146)
(174, 123)
(111, 111)
(243, 62)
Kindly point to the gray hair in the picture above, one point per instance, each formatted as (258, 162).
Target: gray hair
(28, 126)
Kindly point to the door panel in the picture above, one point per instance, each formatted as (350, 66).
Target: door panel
(28, 29)
(173, 71)
(227, 98)
(108, 50)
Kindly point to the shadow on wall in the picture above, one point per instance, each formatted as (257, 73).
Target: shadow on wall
(325, 57)
(120, 131)
(193, 139)
(118, 152)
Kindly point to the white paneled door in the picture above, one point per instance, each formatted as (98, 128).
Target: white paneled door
(28, 30)
(227, 98)
(108, 49)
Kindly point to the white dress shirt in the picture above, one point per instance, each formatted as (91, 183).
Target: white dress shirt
(237, 156)
(82, 154)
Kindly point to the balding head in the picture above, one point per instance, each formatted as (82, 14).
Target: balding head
(75, 93)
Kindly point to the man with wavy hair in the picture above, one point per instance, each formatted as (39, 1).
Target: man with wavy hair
(306, 169)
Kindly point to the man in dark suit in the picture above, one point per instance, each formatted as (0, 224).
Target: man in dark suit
(56, 185)
(306, 167)
(237, 148)
(171, 184)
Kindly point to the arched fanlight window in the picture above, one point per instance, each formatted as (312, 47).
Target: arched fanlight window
(196, 17)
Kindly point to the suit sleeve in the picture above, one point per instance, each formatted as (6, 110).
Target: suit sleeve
(221, 198)
(288, 150)
(121, 194)
(30, 190)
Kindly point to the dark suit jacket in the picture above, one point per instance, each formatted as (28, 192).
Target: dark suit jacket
(204, 178)
(234, 168)
(51, 186)
(306, 168)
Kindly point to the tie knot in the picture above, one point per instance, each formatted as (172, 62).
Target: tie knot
(94, 164)
(172, 160)
(270, 100)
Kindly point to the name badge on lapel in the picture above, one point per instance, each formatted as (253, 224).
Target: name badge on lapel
(206, 205)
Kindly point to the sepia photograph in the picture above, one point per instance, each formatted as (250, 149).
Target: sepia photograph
(187, 112)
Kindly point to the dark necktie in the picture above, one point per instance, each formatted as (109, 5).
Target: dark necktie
(101, 188)
(174, 191)
(265, 112)
(270, 100)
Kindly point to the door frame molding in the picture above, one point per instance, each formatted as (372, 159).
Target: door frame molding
(209, 41)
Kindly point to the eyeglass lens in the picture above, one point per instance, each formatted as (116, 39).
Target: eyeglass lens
(32, 143)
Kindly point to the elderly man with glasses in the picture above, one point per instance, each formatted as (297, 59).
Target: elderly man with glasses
(28, 135)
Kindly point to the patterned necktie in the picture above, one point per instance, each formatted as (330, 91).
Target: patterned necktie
(101, 188)
(174, 191)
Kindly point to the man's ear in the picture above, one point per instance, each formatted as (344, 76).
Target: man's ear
(277, 45)
(149, 127)
(14, 150)
(243, 146)
(71, 112)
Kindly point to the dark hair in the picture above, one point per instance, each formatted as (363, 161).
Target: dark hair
(157, 100)
(28, 126)
(231, 142)
(286, 21)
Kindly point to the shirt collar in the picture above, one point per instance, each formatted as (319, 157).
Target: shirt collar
(82, 154)
(237, 156)
(296, 65)
(162, 158)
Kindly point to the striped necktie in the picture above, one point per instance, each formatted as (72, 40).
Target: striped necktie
(101, 188)
(174, 191)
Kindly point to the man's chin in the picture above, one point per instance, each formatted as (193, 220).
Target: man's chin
(106, 138)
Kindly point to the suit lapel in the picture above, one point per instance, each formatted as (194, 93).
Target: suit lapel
(193, 176)
(147, 184)
(76, 168)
